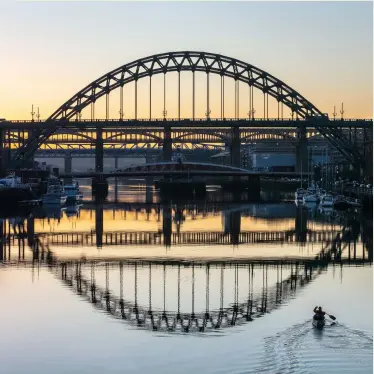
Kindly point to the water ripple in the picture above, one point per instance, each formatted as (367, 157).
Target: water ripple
(303, 349)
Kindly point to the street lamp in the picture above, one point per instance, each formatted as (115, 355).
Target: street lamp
(121, 115)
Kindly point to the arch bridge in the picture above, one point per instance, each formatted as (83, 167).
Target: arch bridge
(257, 84)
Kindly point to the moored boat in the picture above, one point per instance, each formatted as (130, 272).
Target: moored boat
(12, 191)
(55, 193)
(340, 202)
(327, 201)
(72, 191)
(310, 198)
(299, 194)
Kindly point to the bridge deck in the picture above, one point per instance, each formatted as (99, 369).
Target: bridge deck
(186, 123)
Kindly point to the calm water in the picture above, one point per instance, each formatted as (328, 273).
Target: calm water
(134, 287)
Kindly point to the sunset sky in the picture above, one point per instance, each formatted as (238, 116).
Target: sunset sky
(51, 50)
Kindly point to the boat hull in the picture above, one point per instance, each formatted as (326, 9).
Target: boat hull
(310, 200)
(341, 205)
(318, 323)
(328, 204)
(60, 200)
(75, 198)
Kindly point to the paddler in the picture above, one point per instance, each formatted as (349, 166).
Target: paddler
(319, 314)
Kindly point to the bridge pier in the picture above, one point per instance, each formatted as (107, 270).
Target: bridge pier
(167, 147)
(148, 155)
(235, 147)
(68, 161)
(99, 151)
(302, 151)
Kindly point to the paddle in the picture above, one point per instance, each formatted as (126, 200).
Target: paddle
(331, 316)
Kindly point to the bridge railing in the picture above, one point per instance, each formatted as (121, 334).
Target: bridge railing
(162, 120)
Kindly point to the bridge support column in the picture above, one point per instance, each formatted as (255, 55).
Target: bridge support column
(235, 147)
(116, 162)
(167, 145)
(99, 151)
(148, 155)
(302, 151)
(68, 163)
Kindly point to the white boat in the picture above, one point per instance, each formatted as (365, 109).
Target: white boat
(72, 191)
(327, 210)
(321, 193)
(310, 198)
(318, 323)
(327, 201)
(312, 189)
(72, 210)
(55, 193)
(299, 194)
(12, 181)
(354, 203)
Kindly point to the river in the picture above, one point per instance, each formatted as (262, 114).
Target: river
(211, 287)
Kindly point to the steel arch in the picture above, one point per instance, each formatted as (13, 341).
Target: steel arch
(186, 61)
(192, 61)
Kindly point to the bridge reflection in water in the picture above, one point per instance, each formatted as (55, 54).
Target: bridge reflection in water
(190, 294)
(294, 225)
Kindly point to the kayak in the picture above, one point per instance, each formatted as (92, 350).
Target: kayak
(318, 323)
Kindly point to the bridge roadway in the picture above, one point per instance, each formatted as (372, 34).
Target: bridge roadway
(211, 123)
(182, 173)
(232, 132)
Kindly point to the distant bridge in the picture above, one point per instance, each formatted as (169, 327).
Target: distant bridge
(184, 169)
